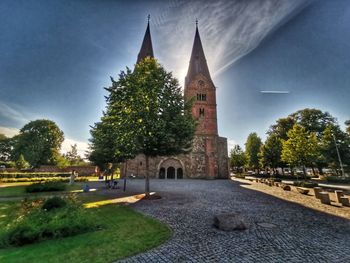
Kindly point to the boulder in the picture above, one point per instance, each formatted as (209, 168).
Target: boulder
(229, 222)
(286, 187)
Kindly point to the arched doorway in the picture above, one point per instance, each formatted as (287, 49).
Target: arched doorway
(179, 173)
(171, 173)
(162, 173)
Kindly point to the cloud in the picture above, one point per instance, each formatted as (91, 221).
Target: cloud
(81, 146)
(229, 29)
(275, 91)
(9, 132)
(230, 144)
(12, 113)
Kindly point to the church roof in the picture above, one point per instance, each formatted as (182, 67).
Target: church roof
(198, 63)
(146, 48)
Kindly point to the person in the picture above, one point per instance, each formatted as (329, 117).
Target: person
(72, 177)
(108, 172)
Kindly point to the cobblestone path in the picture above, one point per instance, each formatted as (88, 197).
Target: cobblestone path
(293, 234)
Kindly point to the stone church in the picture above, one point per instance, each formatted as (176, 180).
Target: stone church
(209, 157)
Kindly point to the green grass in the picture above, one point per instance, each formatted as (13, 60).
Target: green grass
(126, 233)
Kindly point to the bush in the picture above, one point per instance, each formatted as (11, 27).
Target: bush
(14, 180)
(338, 179)
(46, 187)
(305, 184)
(35, 224)
(54, 202)
(242, 176)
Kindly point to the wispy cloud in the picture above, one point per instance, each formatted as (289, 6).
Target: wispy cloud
(12, 113)
(229, 29)
(230, 144)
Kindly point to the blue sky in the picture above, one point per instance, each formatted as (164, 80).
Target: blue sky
(56, 57)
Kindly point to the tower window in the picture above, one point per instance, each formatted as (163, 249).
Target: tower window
(201, 97)
(201, 112)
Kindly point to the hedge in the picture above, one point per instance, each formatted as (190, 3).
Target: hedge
(338, 179)
(42, 179)
(6, 175)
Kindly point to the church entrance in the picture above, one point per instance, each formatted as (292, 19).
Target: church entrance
(171, 172)
(170, 169)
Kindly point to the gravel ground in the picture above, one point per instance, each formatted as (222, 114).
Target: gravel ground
(279, 230)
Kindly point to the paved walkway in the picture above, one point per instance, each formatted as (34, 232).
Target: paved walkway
(293, 234)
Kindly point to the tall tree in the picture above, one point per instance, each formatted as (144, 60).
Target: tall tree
(301, 148)
(39, 141)
(72, 156)
(5, 148)
(237, 158)
(270, 152)
(146, 114)
(252, 149)
(281, 127)
(347, 123)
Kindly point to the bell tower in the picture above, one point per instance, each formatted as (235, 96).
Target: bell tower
(200, 87)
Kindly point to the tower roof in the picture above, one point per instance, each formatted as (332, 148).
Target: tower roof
(146, 48)
(198, 63)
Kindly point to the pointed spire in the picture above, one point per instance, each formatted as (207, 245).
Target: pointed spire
(146, 48)
(198, 63)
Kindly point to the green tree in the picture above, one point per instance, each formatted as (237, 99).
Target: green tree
(347, 123)
(237, 158)
(301, 148)
(5, 148)
(21, 163)
(73, 157)
(39, 141)
(146, 114)
(252, 149)
(281, 127)
(270, 152)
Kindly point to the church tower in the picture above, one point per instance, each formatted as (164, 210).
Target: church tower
(206, 152)
(146, 47)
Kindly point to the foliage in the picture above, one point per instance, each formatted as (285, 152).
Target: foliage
(252, 148)
(43, 179)
(21, 163)
(237, 157)
(146, 113)
(46, 187)
(281, 127)
(270, 152)
(305, 184)
(347, 123)
(53, 203)
(301, 148)
(73, 157)
(39, 141)
(35, 224)
(129, 232)
(5, 148)
(338, 179)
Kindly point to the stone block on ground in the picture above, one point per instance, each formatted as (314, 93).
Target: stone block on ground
(286, 187)
(324, 197)
(344, 201)
(338, 195)
(303, 190)
(229, 222)
(317, 190)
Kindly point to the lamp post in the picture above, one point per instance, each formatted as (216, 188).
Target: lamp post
(340, 162)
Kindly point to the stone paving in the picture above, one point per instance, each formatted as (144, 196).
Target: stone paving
(292, 233)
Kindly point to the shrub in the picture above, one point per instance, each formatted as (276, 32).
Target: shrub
(242, 176)
(35, 224)
(54, 202)
(46, 187)
(305, 184)
(43, 179)
(338, 179)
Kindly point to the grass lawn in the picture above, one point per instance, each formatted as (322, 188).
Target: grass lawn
(126, 233)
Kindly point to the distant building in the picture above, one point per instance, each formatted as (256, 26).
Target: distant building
(209, 158)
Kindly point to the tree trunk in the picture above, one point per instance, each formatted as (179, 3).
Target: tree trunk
(147, 177)
(313, 171)
(304, 171)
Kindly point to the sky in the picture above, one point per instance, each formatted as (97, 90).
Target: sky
(57, 55)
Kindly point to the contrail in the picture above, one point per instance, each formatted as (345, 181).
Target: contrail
(275, 91)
